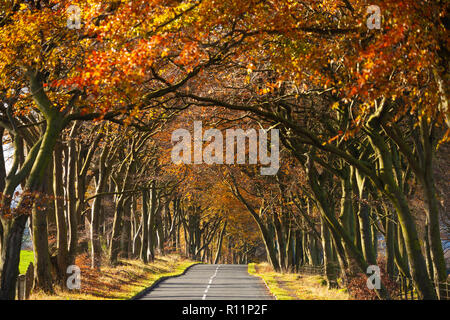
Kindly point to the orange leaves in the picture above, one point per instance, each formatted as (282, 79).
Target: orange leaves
(331, 139)
(189, 55)
(122, 53)
(109, 58)
(28, 202)
(353, 91)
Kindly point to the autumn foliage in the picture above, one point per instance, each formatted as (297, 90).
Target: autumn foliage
(87, 115)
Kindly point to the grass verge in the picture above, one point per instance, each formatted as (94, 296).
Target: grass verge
(26, 256)
(294, 286)
(118, 283)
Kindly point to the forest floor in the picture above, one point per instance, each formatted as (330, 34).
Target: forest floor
(294, 286)
(118, 283)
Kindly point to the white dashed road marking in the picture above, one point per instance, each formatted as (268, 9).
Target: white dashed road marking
(203, 282)
(210, 281)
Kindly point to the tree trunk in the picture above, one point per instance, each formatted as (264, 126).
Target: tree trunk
(329, 265)
(95, 212)
(43, 277)
(364, 222)
(71, 176)
(389, 239)
(114, 247)
(436, 250)
(144, 224)
(280, 241)
(10, 256)
(151, 224)
(417, 261)
(62, 257)
(219, 244)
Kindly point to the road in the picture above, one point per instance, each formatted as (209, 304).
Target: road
(211, 282)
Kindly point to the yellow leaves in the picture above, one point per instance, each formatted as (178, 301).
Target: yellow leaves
(445, 139)
(165, 52)
(264, 91)
(250, 68)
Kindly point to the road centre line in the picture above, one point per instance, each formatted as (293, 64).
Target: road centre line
(210, 281)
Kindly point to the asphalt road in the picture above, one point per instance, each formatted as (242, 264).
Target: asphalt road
(211, 282)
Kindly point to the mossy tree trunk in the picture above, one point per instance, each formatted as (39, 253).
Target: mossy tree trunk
(353, 255)
(419, 271)
(263, 228)
(219, 244)
(62, 257)
(328, 262)
(95, 212)
(364, 221)
(144, 224)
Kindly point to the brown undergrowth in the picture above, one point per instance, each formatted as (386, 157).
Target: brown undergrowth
(120, 282)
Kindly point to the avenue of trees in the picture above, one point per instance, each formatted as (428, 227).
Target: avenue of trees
(86, 117)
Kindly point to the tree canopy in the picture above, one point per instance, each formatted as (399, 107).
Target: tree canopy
(91, 91)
